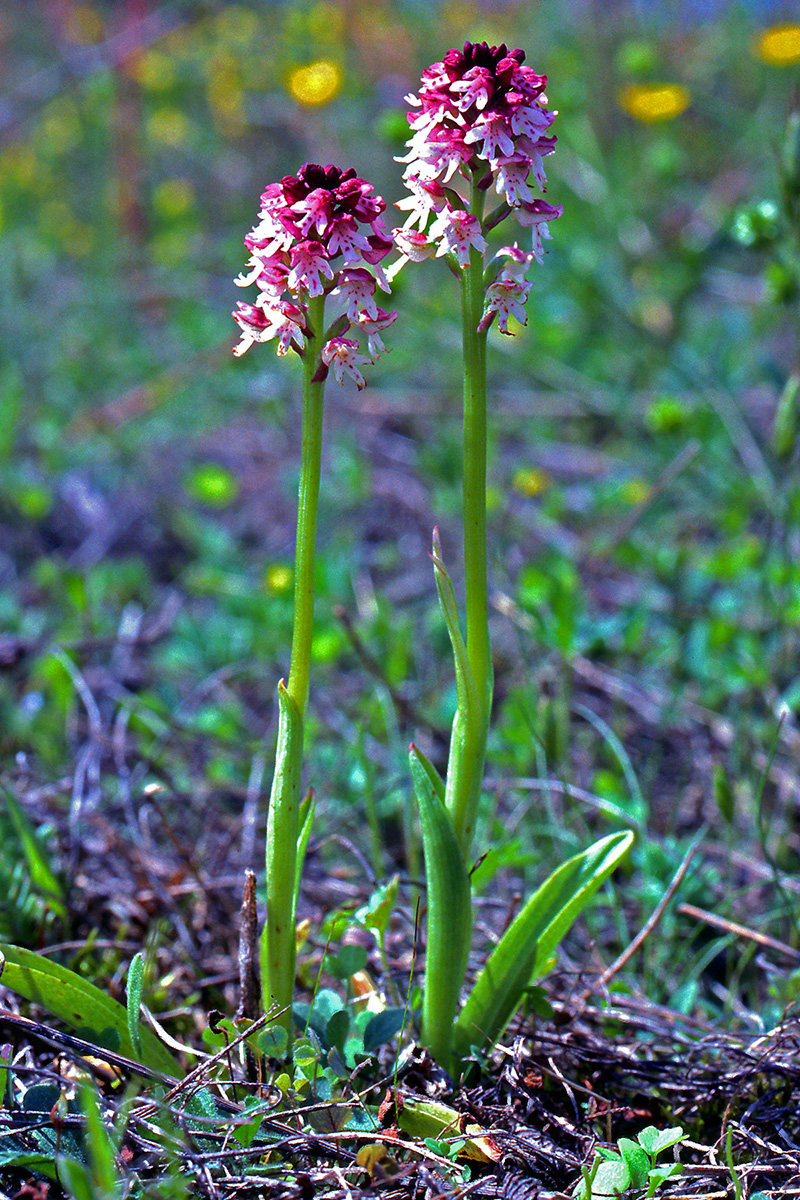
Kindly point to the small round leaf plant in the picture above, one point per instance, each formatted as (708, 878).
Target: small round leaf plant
(315, 256)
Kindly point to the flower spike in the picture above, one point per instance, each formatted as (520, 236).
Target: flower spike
(319, 234)
(479, 122)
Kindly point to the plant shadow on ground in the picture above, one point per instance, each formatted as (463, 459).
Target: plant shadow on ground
(645, 613)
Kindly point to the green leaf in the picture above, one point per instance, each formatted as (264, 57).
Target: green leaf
(338, 1028)
(278, 949)
(612, 1177)
(530, 941)
(449, 916)
(654, 1140)
(100, 1147)
(77, 1179)
(42, 1164)
(466, 695)
(6, 1077)
(41, 1097)
(78, 1002)
(273, 1041)
(636, 1160)
(380, 906)
(346, 962)
(382, 1027)
(315, 1017)
(658, 1175)
(435, 779)
(306, 820)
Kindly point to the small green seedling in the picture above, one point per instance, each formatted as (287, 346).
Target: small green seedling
(631, 1166)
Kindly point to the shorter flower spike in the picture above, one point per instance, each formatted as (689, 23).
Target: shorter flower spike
(319, 234)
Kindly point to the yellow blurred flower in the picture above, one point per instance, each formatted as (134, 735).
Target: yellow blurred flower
(531, 481)
(18, 165)
(635, 491)
(173, 197)
(155, 71)
(779, 45)
(169, 126)
(315, 83)
(652, 102)
(57, 220)
(278, 578)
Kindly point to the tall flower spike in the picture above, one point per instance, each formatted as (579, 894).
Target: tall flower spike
(319, 234)
(479, 122)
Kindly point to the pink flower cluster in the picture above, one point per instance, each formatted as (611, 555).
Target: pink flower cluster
(479, 118)
(319, 233)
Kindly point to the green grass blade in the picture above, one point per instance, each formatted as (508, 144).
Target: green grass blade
(106, 1181)
(43, 877)
(78, 1003)
(530, 941)
(449, 927)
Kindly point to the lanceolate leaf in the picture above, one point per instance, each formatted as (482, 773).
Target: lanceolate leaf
(521, 955)
(283, 831)
(134, 989)
(449, 916)
(436, 781)
(79, 1003)
(465, 684)
(307, 809)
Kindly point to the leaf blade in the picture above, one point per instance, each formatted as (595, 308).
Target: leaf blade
(532, 938)
(78, 1002)
(449, 916)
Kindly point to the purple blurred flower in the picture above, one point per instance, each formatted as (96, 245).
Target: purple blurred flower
(319, 233)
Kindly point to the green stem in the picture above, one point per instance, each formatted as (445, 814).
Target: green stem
(278, 948)
(470, 730)
(307, 504)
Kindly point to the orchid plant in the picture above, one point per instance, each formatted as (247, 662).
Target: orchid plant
(315, 257)
(480, 127)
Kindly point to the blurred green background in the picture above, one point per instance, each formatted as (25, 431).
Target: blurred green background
(644, 486)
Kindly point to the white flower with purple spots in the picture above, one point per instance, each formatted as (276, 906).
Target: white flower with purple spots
(479, 122)
(457, 232)
(505, 298)
(342, 354)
